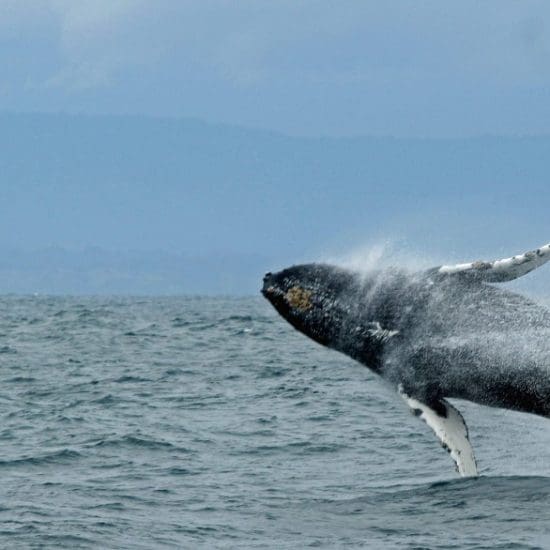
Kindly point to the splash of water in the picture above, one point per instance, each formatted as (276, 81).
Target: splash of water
(386, 254)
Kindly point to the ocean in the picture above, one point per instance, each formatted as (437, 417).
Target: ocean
(210, 423)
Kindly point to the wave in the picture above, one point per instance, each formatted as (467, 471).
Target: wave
(58, 457)
(137, 441)
(457, 492)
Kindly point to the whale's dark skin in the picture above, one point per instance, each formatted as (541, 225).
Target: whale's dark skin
(434, 335)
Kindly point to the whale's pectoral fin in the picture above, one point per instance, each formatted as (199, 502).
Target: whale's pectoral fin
(449, 427)
(498, 271)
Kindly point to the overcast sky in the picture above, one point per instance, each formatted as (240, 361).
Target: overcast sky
(306, 67)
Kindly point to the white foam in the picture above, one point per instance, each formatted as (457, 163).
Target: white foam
(381, 255)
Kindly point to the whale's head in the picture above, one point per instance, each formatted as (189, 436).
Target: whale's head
(311, 297)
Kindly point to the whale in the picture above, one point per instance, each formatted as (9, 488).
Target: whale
(448, 332)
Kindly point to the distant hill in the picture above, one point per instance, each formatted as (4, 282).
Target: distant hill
(138, 205)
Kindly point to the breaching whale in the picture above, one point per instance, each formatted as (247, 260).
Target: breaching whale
(446, 332)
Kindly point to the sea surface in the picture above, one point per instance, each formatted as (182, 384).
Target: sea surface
(211, 423)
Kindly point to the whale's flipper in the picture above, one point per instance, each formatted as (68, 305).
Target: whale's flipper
(499, 271)
(451, 430)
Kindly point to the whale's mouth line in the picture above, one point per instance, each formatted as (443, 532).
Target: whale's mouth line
(271, 291)
(276, 297)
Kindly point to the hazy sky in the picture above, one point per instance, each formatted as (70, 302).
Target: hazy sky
(312, 68)
(402, 68)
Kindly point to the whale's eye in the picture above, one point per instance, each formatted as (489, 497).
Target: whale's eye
(299, 298)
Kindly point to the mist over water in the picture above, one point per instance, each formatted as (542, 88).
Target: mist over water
(191, 422)
(382, 254)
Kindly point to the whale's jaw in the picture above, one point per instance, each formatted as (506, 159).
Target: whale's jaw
(303, 297)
